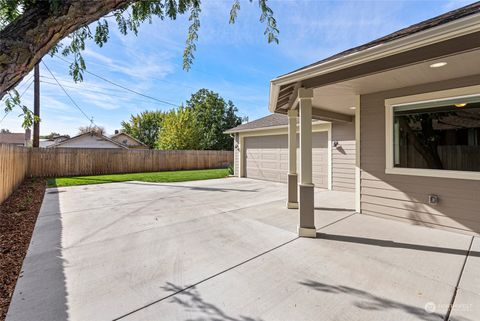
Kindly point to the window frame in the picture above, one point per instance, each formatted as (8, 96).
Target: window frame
(430, 97)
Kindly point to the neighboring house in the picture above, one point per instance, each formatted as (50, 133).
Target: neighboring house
(17, 139)
(50, 141)
(409, 100)
(88, 140)
(127, 140)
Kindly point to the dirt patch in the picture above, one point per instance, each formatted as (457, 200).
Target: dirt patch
(18, 215)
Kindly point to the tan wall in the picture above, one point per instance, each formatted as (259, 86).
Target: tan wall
(88, 141)
(13, 168)
(406, 197)
(343, 157)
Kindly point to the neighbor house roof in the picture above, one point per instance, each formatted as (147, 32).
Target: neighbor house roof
(424, 25)
(12, 138)
(270, 121)
(59, 144)
(130, 136)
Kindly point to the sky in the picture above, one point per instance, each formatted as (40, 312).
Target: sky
(233, 60)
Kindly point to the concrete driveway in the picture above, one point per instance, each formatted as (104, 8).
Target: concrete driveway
(227, 249)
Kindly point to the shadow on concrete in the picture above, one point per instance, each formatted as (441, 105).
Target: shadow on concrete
(336, 209)
(372, 302)
(195, 188)
(41, 291)
(190, 299)
(393, 244)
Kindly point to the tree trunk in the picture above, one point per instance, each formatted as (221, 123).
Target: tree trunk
(429, 153)
(31, 36)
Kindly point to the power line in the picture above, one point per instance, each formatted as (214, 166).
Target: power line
(66, 93)
(122, 95)
(123, 87)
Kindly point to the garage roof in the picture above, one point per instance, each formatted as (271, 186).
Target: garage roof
(270, 121)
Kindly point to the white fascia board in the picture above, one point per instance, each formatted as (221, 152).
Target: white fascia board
(457, 28)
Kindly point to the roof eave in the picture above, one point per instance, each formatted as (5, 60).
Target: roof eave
(460, 27)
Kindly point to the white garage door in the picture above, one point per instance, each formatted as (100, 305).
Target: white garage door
(266, 158)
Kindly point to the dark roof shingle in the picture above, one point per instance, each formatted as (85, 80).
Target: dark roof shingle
(267, 121)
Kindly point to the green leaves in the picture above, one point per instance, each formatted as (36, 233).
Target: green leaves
(13, 101)
(145, 126)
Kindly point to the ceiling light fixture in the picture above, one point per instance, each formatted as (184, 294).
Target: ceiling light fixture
(352, 108)
(438, 64)
(461, 105)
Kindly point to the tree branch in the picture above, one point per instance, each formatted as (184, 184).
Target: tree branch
(32, 35)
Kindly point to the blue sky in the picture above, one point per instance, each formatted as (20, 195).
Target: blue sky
(234, 60)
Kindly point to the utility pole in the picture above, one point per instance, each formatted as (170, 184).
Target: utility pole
(36, 106)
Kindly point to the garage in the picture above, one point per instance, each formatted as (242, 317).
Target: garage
(266, 158)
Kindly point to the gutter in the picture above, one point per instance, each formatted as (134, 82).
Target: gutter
(457, 28)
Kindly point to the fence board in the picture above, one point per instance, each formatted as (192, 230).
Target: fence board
(14, 165)
(16, 162)
(54, 162)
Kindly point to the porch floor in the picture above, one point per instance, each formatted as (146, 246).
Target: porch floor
(226, 249)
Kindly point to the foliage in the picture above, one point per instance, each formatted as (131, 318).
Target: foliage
(4, 131)
(180, 130)
(128, 18)
(154, 177)
(12, 101)
(213, 116)
(91, 129)
(144, 126)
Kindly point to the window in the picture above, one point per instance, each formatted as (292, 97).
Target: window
(442, 135)
(436, 137)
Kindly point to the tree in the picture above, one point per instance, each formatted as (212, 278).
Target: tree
(4, 131)
(99, 130)
(179, 130)
(214, 116)
(31, 29)
(145, 126)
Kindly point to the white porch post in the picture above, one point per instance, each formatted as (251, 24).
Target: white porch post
(292, 181)
(306, 225)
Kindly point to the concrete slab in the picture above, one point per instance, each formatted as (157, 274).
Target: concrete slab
(103, 250)
(329, 279)
(467, 301)
(227, 250)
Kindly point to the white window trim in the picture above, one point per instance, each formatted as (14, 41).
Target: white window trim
(423, 98)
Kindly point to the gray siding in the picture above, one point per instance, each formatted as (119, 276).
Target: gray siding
(405, 197)
(343, 157)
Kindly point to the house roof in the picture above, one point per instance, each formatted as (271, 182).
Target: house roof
(468, 10)
(58, 144)
(130, 136)
(273, 120)
(12, 138)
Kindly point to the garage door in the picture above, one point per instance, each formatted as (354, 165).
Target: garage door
(266, 157)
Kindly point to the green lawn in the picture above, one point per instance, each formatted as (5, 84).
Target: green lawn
(158, 177)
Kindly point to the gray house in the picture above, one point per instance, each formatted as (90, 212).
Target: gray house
(395, 121)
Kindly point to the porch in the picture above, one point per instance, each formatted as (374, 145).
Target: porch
(228, 249)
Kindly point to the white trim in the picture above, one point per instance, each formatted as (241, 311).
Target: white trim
(330, 159)
(457, 28)
(242, 156)
(283, 130)
(358, 187)
(456, 93)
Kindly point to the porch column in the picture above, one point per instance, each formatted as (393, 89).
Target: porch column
(306, 227)
(292, 181)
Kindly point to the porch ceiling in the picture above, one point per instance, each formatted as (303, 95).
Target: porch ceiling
(342, 96)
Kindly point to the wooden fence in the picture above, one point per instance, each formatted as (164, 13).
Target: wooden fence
(13, 168)
(18, 162)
